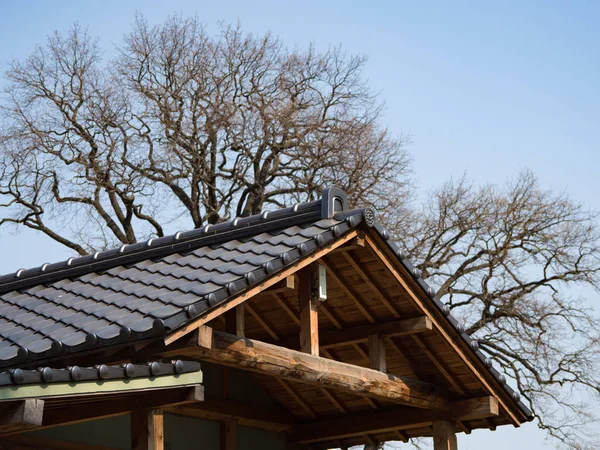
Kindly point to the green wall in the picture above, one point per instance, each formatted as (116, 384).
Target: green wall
(183, 433)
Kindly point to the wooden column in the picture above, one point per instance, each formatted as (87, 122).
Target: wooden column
(377, 353)
(234, 321)
(444, 435)
(147, 430)
(308, 303)
(234, 324)
(228, 436)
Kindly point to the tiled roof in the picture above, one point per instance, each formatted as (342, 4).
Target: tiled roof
(101, 372)
(145, 289)
(142, 290)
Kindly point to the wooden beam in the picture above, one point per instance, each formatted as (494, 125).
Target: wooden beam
(269, 282)
(242, 413)
(205, 336)
(447, 375)
(308, 303)
(26, 442)
(282, 301)
(360, 334)
(102, 406)
(286, 285)
(444, 435)
(263, 323)
(367, 279)
(234, 320)
(147, 430)
(379, 422)
(21, 415)
(377, 357)
(281, 362)
(482, 374)
(303, 403)
(347, 290)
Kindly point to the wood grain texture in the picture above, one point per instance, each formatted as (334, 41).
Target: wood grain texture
(280, 362)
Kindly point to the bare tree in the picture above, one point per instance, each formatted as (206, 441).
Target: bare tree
(505, 261)
(211, 126)
(183, 127)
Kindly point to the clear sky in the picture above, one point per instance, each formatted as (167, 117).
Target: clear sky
(483, 88)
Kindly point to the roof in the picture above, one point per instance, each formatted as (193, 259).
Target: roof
(145, 290)
(102, 372)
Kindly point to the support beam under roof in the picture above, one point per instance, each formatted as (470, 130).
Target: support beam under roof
(391, 420)
(268, 359)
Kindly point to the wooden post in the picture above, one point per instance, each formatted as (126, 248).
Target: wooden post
(228, 435)
(308, 303)
(147, 430)
(234, 321)
(377, 353)
(444, 435)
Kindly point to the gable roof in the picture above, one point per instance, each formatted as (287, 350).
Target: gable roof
(146, 290)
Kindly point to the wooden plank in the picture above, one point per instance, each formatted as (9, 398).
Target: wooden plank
(447, 375)
(308, 303)
(333, 318)
(156, 427)
(391, 266)
(380, 294)
(444, 435)
(379, 422)
(303, 404)
(263, 323)
(377, 357)
(244, 296)
(348, 291)
(286, 285)
(281, 301)
(242, 413)
(281, 362)
(205, 336)
(21, 415)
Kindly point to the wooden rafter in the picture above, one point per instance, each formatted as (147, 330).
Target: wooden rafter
(391, 264)
(303, 404)
(242, 413)
(390, 421)
(282, 301)
(367, 280)
(248, 294)
(347, 290)
(441, 367)
(263, 323)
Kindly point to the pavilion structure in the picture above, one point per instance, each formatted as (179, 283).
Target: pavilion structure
(306, 323)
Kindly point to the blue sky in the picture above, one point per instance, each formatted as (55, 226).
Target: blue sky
(482, 88)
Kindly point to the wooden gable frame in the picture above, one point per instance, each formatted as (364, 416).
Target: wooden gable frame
(357, 381)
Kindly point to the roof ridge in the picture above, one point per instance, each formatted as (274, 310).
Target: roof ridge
(333, 200)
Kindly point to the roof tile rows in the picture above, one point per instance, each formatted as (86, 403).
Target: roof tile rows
(143, 298)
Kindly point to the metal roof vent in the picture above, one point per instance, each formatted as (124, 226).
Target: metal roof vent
(334, 200)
